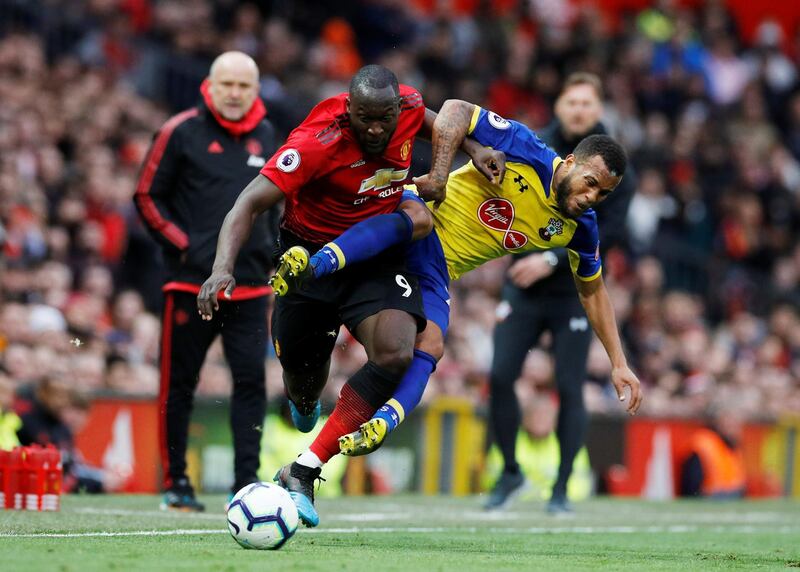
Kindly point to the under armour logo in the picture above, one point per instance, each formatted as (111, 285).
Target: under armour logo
(522, 187)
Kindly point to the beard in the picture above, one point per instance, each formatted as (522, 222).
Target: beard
(562, 195)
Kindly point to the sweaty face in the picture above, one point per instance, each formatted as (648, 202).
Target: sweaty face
(233, 89)
(373, 118)
(585, 185)
(579, 109)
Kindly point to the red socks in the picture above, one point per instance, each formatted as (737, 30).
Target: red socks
(350, 412)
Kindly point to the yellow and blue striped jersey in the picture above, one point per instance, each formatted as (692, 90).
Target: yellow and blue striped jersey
(481, 221)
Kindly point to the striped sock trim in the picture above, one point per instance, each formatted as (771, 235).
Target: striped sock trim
(338, 252)
(398, 409)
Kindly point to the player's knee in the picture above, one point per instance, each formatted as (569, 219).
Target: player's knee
(433, 346)
(394, 358)
(421, 218)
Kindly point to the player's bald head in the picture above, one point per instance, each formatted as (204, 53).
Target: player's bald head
(233, 84)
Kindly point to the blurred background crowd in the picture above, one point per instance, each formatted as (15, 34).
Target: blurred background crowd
(706, 293)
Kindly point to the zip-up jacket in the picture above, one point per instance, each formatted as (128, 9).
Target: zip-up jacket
(195, 169)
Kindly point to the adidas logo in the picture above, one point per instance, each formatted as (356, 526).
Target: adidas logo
(215, 147)
(358, 163)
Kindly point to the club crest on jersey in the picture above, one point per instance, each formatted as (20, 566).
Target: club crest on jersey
(405, 149)
(288, 161)
(554, 226)
(496, 121)
(498, 214)
(253, 146)
(181, 317)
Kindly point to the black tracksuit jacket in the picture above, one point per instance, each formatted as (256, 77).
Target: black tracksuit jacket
(192, 175)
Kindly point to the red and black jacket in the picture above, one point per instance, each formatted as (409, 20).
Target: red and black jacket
(197, 166)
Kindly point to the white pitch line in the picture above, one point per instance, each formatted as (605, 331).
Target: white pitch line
(688, 519)
(160, 513)
(179, 532)
(427, 530)
(344, 517)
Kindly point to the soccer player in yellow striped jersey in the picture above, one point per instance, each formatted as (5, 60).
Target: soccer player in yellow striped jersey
(541, 202)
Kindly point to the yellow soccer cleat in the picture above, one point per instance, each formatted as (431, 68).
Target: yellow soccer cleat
(369, 437)
(292, 270)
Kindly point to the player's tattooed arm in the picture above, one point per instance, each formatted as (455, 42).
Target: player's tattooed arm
(491, 163)
(260, 195)
(449, 131)
(449, 134)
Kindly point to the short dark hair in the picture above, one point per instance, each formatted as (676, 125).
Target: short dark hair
(610, 151)
(373, 77)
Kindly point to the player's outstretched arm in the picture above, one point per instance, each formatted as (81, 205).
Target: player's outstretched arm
(594, 297)
(260, 195)
(449, 131)
(491, 163)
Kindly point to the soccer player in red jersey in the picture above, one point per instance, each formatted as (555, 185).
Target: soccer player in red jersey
(345, 163)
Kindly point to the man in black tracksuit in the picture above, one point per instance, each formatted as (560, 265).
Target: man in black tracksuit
(199, 162)
(539, 294)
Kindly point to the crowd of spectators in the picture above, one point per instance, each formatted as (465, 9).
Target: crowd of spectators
(706, 293)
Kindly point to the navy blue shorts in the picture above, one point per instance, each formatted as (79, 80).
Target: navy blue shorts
(425, 258)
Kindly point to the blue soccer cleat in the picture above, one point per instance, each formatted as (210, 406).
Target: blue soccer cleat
(305, 423)
(299, 481)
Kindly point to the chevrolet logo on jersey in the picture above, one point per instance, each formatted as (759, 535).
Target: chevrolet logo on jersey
(382, 179)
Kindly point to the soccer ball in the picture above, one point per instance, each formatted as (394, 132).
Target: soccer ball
(262, 516)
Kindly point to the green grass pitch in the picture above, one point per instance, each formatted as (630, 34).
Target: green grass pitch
(379, 534)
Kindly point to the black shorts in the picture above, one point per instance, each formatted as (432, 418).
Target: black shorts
(305, 323)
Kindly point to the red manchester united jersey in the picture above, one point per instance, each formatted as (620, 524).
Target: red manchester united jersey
(329, 182)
